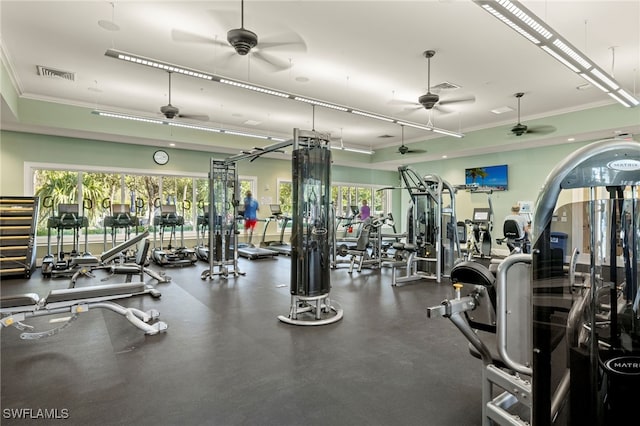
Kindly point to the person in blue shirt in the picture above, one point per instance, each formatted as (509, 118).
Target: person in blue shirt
(251, 208)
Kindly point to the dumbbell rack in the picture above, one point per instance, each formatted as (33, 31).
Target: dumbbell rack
(18, 221)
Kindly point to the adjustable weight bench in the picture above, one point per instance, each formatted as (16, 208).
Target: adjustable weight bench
(138, 268)
(17, 308)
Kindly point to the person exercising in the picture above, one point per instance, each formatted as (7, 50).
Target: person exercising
(365, 211)
(251, 208)
(523, 224)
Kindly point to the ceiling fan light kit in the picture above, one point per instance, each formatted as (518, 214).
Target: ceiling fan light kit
(534, 29)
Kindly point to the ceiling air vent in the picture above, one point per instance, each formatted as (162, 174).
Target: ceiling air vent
(54, 73)
(445, 85)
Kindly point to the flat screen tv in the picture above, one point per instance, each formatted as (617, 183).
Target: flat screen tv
(491, 177)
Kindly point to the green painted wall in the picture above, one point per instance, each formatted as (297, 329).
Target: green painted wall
(17, 148)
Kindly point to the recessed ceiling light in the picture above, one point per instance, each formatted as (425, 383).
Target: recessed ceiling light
(502, 110)
(444, 156)
(571, 139)
(172, 144)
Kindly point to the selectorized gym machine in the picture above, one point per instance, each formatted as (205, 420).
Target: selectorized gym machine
(170, 256)
(432, 246)
(220, 218)
(311, 230)
(559, 333)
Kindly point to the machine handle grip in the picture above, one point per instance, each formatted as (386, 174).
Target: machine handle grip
(47, 201)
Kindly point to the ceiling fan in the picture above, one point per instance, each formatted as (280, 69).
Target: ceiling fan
(431, 101)
(171, 111)
(520, 129)
(245, 42)
(403, 149)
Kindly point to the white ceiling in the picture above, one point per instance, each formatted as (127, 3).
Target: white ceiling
(364, 54)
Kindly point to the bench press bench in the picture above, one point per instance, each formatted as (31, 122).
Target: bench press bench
(17, 308)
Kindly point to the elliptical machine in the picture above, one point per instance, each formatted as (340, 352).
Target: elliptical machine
(68, 218)
(169, 219)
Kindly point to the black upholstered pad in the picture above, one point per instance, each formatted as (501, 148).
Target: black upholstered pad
(472, 273)
(83, 293)
(17, 300)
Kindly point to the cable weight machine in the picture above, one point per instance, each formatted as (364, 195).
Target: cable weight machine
(221, 213)
(311, 230)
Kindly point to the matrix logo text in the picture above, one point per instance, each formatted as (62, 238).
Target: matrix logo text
(36, 413)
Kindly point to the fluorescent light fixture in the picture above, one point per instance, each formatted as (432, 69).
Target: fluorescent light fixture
(153, 63)
(320, 103)
(603, 77)
(520, 19)
(510, 23)
(560, 58)
(253, 87)
(615, 96)
(127, 117)
(446, 132)
(183, 125)
(358, 150)
(414, 125)
(627, 96)
(368, 114)
(169, 67)
(572, 53)
(526, 18)
(593, 82)
(430, 128)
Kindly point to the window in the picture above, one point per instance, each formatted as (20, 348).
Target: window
(95, 191)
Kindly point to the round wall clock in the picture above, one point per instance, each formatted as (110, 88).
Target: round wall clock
(161, 157)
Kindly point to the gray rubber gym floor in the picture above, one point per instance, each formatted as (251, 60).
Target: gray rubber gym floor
(227, 360)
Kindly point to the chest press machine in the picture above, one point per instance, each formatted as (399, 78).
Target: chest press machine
(563, 346)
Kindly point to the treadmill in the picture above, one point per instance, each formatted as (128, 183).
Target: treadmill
(278, 246)
(250, 251)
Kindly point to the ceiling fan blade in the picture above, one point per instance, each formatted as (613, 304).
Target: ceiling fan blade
(457, 100)
(541, 130)
(227, 57)
(289, 41)
(408, 110)
(182, 36)
(416, 151)
(402, 102)
(273, 62)
(442, 110)
(199, 117)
